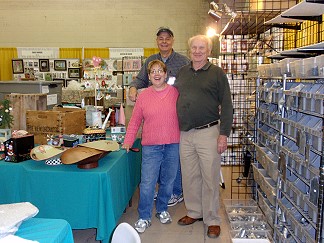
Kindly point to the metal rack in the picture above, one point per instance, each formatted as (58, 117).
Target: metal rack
(243, 42)
(295, 122)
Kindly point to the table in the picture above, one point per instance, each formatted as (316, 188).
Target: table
(94, 198)
(46, 230)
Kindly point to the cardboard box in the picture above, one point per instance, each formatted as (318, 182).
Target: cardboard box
(18, 149)
(20, 103)
(44, 124)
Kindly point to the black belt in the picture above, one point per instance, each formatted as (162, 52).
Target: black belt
(207, 125)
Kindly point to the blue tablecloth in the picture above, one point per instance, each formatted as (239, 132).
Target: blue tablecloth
(46, 230)
(93, 198)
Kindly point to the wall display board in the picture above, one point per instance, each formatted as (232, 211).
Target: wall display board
(46, 69)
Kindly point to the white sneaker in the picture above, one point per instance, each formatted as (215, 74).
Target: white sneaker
(155, 195)
(164, 217)
(141, 225)
(174, 200)
(180, 198)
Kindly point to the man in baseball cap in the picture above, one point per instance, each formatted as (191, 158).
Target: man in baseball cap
(166, 30)
(173, 61)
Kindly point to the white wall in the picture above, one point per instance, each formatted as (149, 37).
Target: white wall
(98, 23)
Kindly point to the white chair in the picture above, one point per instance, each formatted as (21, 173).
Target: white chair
(125, 233)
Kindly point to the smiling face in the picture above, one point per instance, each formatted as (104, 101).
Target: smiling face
(157, 74)
(199, 50)
(165, 42)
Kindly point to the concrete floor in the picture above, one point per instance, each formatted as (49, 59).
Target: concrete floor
(172, 233)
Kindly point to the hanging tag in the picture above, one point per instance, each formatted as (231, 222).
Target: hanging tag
(314, 190)
(282, 165)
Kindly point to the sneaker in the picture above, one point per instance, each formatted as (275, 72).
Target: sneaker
(180, 198)
(155, 195)
(174, 200)
(141, 225)
(164, 217)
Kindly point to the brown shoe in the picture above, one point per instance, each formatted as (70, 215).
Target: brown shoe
(186, 220)
(213, 231)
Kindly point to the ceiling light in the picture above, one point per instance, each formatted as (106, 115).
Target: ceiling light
(216, 15)
(211, 32)
(213, 5)
(216, 11)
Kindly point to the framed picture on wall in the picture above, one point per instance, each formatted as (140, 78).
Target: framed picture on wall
(74, 73)
(60, 79)
(60, 65)
(17, 66)
(44, 65)
(48, 77)
(67, 81)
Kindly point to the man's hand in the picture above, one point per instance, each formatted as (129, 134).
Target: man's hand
(221, 144)
(132, 94)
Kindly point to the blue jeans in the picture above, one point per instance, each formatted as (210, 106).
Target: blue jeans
(157, 160)
(177, 185)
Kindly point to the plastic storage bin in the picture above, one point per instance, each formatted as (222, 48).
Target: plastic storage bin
(314, 66)
(282, 237)
(285, 66)
(311, 209)
(239, 203)
(271, 160)
(262, 69)
(292, 94)
(300, 68)
(275, 69)
(250, 236)
(309, 97)
(267, 208)
(319, 96)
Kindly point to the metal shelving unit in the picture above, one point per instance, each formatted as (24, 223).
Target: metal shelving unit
(245, 42)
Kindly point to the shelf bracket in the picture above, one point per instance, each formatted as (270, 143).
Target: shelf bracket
(315, 1)
(287, 26)
(310, 18)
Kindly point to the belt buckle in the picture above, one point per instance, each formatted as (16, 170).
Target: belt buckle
(208, 125)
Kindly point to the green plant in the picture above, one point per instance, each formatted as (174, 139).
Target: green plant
(6, 119)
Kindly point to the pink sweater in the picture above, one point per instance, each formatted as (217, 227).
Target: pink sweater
(159, 115)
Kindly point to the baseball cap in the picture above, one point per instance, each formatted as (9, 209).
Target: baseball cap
(164, 29)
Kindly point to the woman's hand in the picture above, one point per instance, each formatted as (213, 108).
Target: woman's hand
(126, 147)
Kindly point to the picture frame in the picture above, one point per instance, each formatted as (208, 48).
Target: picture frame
(5, 134)
(44, 65)
(67, 81)
(60, 65)
(48, 77)
(74, 73)
(127, 78)
(62, 80)
(17, 66)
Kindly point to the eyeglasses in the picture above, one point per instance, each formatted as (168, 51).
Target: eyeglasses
(159, 71)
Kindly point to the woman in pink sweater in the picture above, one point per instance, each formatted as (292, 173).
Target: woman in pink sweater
(156, 109)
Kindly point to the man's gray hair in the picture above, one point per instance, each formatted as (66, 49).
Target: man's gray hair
(201, 37)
